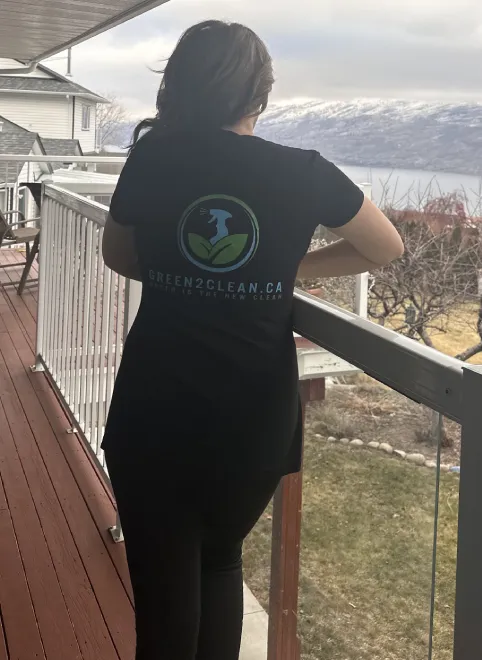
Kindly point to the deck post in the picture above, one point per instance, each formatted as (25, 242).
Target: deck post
(283, 641)
(116, 531)
(468, 602)
(43, 256)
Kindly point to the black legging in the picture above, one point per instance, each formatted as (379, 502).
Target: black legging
(184, 532)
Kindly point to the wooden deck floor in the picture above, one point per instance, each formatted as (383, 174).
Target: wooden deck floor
(64, 586)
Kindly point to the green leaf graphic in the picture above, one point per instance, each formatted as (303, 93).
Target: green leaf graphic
(199, 245)
(228, 249)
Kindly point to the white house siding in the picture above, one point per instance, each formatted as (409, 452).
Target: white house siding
(86, 138)
(30, 172)
(40, 113)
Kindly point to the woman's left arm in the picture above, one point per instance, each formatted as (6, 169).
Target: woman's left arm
(119, 249)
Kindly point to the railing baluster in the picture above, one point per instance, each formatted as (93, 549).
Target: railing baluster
(72, 354)
(78, 343)
(58, 300)
(90, 321)
(67, 324)
(99, 286)
(42, 312)
(53, 273)
(105, 350)
(109, 381)
(119, 334)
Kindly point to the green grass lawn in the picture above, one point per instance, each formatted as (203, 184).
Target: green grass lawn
(367, 542)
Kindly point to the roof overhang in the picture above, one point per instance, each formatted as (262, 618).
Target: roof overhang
(31, 31)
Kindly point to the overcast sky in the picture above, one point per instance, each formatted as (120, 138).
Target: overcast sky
(327, 49)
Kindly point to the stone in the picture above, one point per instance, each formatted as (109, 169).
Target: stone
(345, 441)
(400, 453)
(373, 445)
(388, 449)
(357, 443)
(430, 464)
(416, 459)
(332, 439)
(318, 436)
(444, 467)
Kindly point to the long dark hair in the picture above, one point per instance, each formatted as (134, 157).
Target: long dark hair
(217, 74)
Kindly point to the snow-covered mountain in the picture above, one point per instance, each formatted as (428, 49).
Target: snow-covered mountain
(382, 133)
(378, 133)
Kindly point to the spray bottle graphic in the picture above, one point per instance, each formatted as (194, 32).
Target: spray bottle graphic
(219, 217)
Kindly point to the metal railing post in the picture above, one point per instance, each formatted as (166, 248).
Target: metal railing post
(468, 603)
(42, 258)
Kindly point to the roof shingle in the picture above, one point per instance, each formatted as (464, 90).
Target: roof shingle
(59, 147)
(54, 86)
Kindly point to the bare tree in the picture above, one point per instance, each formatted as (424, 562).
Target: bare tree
(477, 348)
(110, 118)
(437, 274)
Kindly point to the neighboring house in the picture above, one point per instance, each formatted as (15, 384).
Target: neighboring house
(55, 147)
(16, 176)
(18, 141)
(49, 104)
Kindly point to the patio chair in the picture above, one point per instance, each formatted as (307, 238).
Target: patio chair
(17, 233)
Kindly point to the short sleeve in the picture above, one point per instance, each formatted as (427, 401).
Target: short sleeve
(332, 198)
(129, 196)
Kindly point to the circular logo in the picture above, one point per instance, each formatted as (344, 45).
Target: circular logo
(218, 233)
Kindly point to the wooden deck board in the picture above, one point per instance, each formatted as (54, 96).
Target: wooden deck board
(18, 614)
(62, 580)
(3, 642)
(53, 621)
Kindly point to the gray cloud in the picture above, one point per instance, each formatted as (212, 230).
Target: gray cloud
(322, 48)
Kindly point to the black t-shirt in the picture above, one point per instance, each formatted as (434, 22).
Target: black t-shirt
(222, 221)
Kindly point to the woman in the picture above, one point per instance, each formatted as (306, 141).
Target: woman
(205, 418)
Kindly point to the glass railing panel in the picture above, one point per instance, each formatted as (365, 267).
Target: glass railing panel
(370, 497)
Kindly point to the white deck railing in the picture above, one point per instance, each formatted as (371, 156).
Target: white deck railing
(85, 311)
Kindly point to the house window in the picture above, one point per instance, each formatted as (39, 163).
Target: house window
(86, 117)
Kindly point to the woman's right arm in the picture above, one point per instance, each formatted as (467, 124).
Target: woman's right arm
(369, 241)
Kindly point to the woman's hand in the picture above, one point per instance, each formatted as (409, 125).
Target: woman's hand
(316, 292)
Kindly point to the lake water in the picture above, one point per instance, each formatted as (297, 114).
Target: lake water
(413, 187)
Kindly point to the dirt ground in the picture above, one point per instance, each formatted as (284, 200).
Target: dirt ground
(369, 411)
